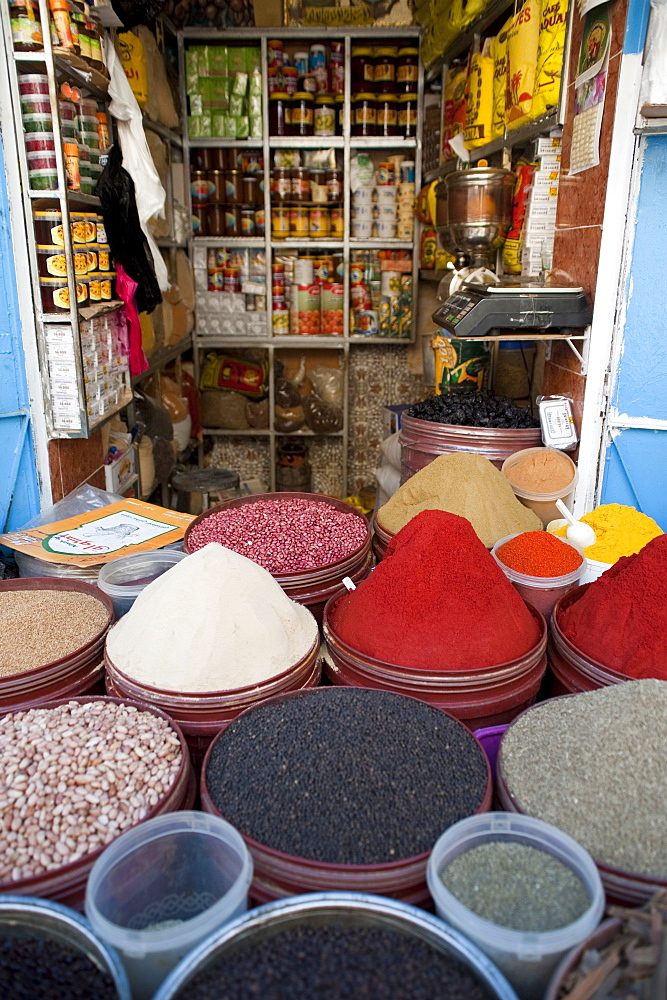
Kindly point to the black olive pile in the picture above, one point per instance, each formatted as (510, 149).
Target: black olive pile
(473, 409)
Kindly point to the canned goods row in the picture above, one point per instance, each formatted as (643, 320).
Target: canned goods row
(228, 220)
(226, 187)
(302, 184)
(388, 68)
(305, 114)
(323, 222)
(320, 70)
(247, 161)
(91, 289)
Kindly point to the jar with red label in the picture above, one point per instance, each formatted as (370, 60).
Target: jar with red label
(337, 67)
(364, 115)
(384, 74)
(302, 113)
(298, 221)
(319, 222)
(335, 185)
(407, 115)
(278, 113)
(363, 69)
(233, 220)
(231, 279)
(387, 115)
(276, 52)
(247, 221)
(337, 223)
(407, 70)
(279, 223)
(300, 184)
(291, 79)
(217, 179)
(281, 184)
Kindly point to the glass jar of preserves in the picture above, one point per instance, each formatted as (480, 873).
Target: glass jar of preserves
(325, 115)
(407, 115)
(387, 114)
(214, 224)
(335, 185)
(298, 221)
(339, 104)
(250, 190)
(319, 222)
(364, 114)
(232, 220)
(281, 184)
(278, 117)
(248, 221)
(319, 192)
(300, 184)
(302, 113)
(201, 187)
(363, 68)
(279, 223)
(233, 187)
(217, 179)
(407, 70)
(385, 71)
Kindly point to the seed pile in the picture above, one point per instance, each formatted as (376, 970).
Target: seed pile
(40, 626)
(216, 621)
(330, 962)
(346, 776)
(517, 886)
(284, 536)
(73, 777)
(33, 967)
(621, 618)
(594, 766)
(473, 409)
(438, 601)
(464, 484)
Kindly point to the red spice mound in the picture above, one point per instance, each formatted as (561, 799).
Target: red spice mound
(438, 601)
(620, 620)
(537, 553)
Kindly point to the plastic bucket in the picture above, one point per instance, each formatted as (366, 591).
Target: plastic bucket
(189, 868)
(540, 591)
(544, 504)
(599, 939)
(125, 578)
(312, 587)
(339, 908)
(479, 697)
(278, 875)
(490, 739)
(25, 916)
(68, 884)
(75, 674)
(621, 887)
(574, 671)
(202, 715)
(423, 440)
(527, 959)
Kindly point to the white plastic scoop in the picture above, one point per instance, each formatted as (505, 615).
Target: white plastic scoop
(578, 531)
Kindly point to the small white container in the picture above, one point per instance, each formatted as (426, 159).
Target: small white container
(544, 504)
(188, 867)
(387, 195)
(362, 196)
(526, 959)
(361, 229)
(125, 578)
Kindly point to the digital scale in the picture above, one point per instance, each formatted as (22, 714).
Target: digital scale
(475, 309)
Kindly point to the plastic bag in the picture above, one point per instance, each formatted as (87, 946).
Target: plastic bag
(257, 414)
(154, 416)
(82, 500)
(550, 49)
(224, 409)
(321, 417)
(133, 60)
(115, 189)
(221, 371)
(328, 384)
(175, 405)
(479, 98)
(126, 289)
(133, 12)
(499, 50)
(522, 38)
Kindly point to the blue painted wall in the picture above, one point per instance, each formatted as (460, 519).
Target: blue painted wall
(19, 494)
(636, 463)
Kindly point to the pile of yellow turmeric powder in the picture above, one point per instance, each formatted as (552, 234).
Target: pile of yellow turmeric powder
(619, 531)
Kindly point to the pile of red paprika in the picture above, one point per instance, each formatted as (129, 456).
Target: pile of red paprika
(438, 601)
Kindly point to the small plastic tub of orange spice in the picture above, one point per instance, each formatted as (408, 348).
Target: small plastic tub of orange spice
(542, 567)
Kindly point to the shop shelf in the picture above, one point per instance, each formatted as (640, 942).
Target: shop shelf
(306, 142)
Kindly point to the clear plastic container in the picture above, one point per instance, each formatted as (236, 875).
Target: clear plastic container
(541, 591)
(526, 959)
(544, 504)
(157, 891)
(125, 578)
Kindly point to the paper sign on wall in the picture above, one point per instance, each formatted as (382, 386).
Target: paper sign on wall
(101, 535)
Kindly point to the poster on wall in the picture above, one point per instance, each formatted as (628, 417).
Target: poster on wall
(590, 87)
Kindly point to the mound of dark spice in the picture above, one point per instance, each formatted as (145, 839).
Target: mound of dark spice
(473, 409)
(309, 962)
(33, 968)
(346, 776)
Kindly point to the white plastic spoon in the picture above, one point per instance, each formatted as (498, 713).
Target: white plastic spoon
(578, 531)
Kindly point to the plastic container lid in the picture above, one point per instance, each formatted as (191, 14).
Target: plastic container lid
(527, 959)
(189, 867)
(124, 579)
